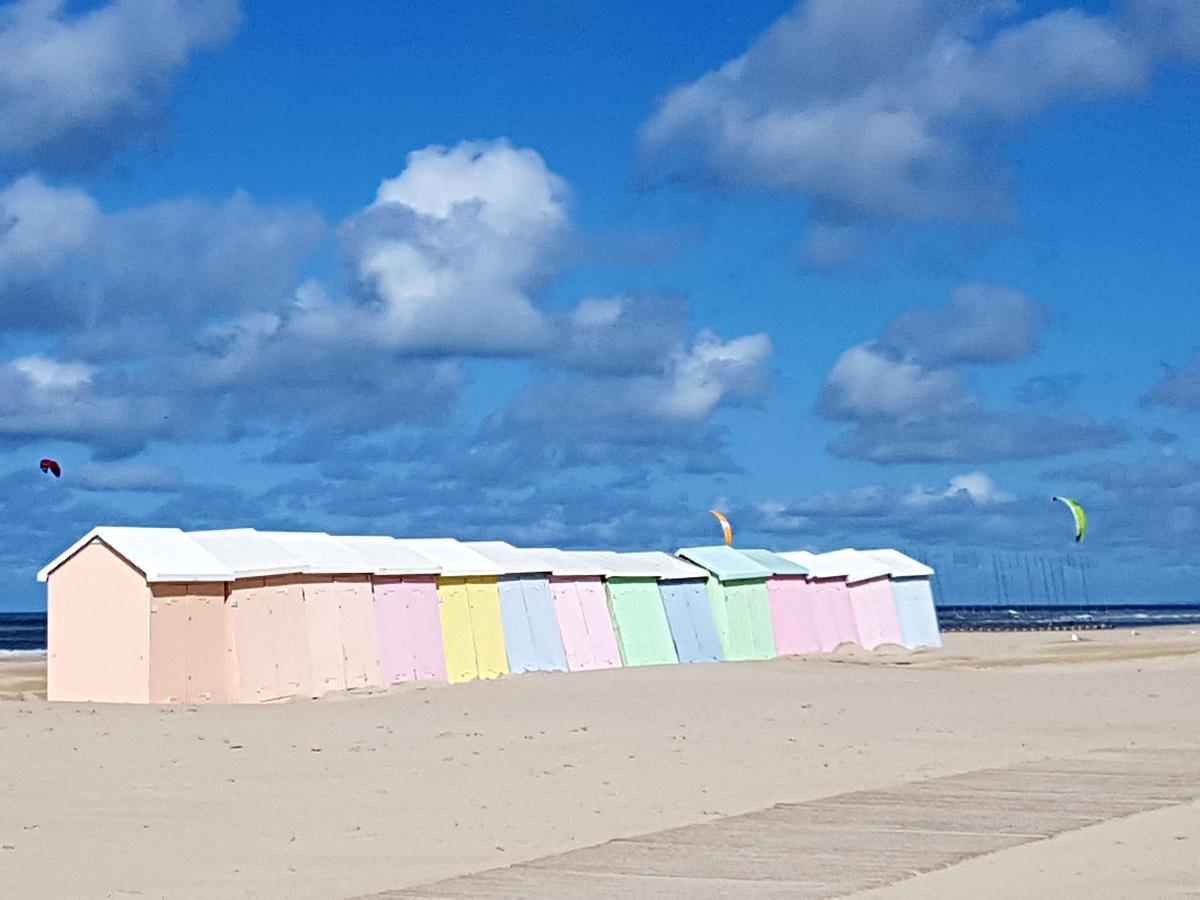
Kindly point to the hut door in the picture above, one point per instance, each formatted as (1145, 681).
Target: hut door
(455, 613)
(168, 643)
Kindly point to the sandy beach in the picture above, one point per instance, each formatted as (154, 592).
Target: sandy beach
(352, 795)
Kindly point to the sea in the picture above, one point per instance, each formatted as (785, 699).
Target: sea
(26, 632)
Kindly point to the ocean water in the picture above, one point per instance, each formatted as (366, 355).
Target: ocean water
(22, 632)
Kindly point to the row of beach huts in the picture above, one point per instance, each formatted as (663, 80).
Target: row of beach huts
(160, 615)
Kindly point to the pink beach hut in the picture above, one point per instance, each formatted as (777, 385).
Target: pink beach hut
(792, 608)
(913, 595)
(136, 615)
(581, 607)
(271, 655)
(407, 622)
(833, 614)
(871, 598)
(337, 601)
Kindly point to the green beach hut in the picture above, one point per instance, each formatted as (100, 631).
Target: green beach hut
(737, 590)
(636, 605)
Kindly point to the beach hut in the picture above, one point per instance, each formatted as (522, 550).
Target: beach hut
(271, 653)
(581, 607)
(136, 615)
(407, 622)
(472, 627)
(791, 598)
(338, 604)
(686, 604)
(531, 635)
(636, 606)
(833, 615)
(870, 593)
(737, 591)
(913, 596)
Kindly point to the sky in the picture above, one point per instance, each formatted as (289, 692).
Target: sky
(857, 274)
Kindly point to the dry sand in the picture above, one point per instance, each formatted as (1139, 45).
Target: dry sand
(354, 794)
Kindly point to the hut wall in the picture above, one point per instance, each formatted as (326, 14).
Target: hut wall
(640, 623)
(189, 641)
(875, 613)
(690, 617)
(792, 616)
(356, 620)
(270, 639)
(742, 612)
(409, 629)
(98, 629)
(588, 639)
(531, 634)
(323, 633)
(833, 613)
(917, 613)
(472, 629)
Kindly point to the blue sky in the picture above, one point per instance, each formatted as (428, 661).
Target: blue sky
(573, 274)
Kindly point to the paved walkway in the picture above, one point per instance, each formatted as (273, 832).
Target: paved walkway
(852, 842)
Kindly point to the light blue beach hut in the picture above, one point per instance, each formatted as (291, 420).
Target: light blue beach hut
(737, 592)
(913, 595)
(531, 632)
(686, 604)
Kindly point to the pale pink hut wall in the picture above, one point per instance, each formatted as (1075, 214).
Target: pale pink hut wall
(191, 659)
(833, 616)
(98, 629)
(324, 634)
(581, 607)
(793, 616)
(875, 613)
(409, 628)
(270, 639)
(356, 618)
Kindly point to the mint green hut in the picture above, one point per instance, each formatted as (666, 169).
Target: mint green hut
(737, 591)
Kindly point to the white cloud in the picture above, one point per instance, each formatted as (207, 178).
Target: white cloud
(74, 85)
(976, 486)
(126, 476)
(867, 382)
(50, 375)
(894, 111)
(40, 225)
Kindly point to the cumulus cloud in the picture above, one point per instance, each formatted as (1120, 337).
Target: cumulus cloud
(449, 255)
(1178, 387)
(897, 112)
(907, 401)
(76, 85)
(127, 476)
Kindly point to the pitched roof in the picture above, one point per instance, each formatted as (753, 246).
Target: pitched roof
(725, 562)
(456, 558)
(321, 552)
(779, 565)
(901, 564)
(387, 556)
(248, 553)
(161, 554)
(513, 560)
(570, 563)
(853, 565)
(664, 566)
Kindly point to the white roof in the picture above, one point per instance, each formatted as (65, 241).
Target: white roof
(664, 566)
(321, 552)
(456, 558)
(248, 553)
(387, 556)
(570, 563)
(161, 554)
(900, 564)
(853, 565)
(513, 560)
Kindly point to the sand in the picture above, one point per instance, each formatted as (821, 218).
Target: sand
(356, 794)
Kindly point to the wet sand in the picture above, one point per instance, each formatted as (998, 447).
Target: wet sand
(357, 794)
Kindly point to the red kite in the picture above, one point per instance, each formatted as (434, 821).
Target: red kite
(49, 465)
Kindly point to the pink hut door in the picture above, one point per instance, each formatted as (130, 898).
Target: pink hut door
(424, 628)
(168, 643)
(360, 646)
(208, 661)
(582, 612)
(791, 617)
(324, 634)
(289, 631)
(396, 661)
(823, 599)
(254, 656)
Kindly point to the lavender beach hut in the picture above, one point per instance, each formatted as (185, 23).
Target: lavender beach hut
(272, 653)
(531, 634)
(686, 604)
(337, 595)
(737, 590)
(833, 614)
(136, 615)
(792, 614)
(636, 606)
(871, 598)
(472, 626)
(408, 625)
(913, 596)
(581, 608)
